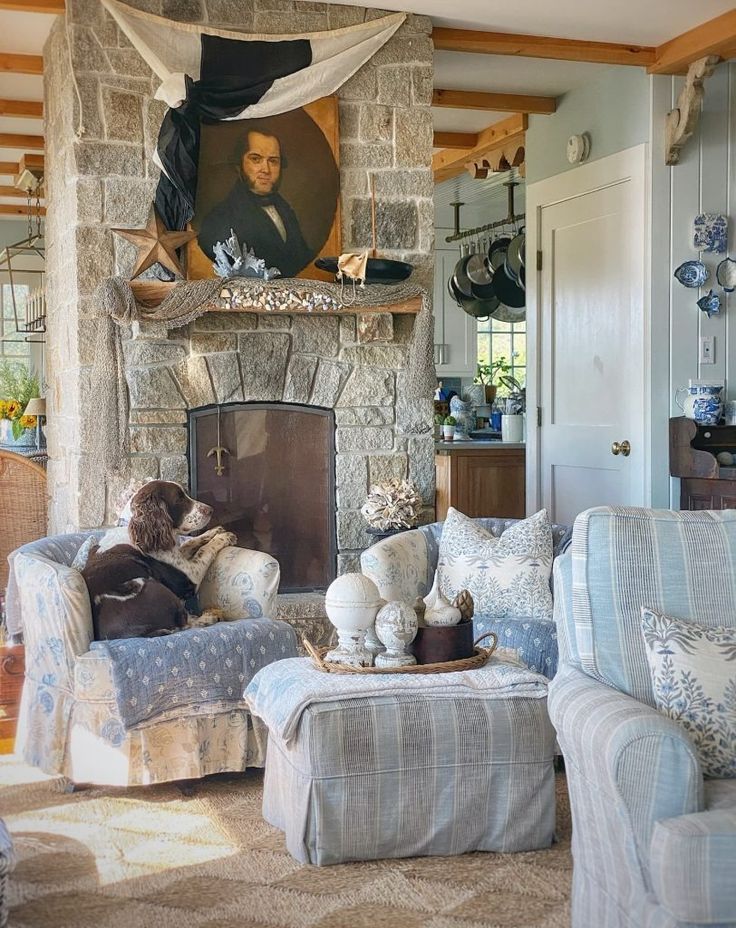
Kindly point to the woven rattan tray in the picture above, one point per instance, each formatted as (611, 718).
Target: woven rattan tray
(479, 658)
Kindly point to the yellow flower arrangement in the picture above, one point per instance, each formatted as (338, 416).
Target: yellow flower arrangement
(17, 388)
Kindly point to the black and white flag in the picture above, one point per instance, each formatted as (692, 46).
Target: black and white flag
(218, 74)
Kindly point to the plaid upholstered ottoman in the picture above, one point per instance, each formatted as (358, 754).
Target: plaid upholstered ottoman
(443, 767)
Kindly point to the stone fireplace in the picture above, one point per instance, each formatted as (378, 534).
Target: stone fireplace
(345, 364)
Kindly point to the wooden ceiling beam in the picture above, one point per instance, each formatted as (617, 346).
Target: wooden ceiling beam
(11, 63)
(6, 191)
(23, 109)
(9, 167)
(54, 7)
(13, 209)
(449, 163)
(16, 140)
(31, 162)
(501, 102)
(454, 139)
(715, 37)
(537, 46)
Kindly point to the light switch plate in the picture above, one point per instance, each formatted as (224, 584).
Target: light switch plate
(707, 349)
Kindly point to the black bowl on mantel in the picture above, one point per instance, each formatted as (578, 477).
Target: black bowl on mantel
(378, 270)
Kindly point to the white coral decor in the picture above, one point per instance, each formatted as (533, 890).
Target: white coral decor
(392, 505)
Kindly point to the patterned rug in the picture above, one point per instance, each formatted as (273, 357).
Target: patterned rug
(151, 858)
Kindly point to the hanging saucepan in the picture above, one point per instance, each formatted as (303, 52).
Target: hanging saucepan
(453, 292)
(481, 276)
(522, 277)
(497, 252)
(512, 262)
(460, 278)
(506, 314)
(478, 309)
(507, 290)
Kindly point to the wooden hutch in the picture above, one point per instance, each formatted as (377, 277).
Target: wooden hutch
(704, 482)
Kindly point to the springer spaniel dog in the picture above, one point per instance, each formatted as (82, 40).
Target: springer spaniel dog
(141, 582)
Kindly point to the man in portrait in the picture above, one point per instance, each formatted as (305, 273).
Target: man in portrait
(256, 212)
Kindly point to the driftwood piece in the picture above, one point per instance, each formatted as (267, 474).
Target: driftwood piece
(681, 122)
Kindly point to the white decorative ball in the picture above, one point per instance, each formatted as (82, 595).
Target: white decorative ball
(352, 601)
(725, 458)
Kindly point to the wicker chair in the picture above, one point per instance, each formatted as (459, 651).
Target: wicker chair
(22, 507)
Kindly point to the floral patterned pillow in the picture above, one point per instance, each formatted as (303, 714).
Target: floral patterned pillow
(693, 671)
(508, 575)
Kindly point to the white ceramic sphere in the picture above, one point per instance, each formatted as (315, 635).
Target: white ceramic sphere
(725, 458)
(351, 602)
(396, 624)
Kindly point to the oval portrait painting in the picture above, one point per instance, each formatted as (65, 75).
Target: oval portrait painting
(274, 183)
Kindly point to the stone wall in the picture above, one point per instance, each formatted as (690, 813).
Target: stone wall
(100, 175)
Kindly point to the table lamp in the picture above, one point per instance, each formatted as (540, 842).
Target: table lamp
(37, 407)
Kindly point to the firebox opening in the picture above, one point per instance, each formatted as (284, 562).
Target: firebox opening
(268, 469)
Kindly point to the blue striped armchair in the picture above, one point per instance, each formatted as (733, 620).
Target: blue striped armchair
(654, 842)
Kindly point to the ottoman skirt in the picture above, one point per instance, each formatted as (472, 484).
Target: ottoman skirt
(402, 777)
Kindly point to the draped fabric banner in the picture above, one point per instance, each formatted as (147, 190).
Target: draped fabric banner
(218, 74)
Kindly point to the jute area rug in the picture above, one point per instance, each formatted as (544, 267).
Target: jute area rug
(151, 858)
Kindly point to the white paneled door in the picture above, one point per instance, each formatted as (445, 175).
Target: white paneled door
(591, 336)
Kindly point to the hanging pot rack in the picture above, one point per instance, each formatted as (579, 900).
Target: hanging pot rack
(511, 219)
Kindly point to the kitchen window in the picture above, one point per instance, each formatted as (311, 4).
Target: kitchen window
(498, 339)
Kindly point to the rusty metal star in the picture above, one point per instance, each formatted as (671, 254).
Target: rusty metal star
(156, 244)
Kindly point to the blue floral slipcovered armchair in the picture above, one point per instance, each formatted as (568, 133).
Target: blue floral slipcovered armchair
(403, 567)
(654, 841)
(71, 720)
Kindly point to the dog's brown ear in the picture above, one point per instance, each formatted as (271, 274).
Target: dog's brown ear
(151, 527)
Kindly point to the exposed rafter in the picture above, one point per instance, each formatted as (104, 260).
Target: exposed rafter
(449, 163)
(716, 37)
(55, 7)
(17, 140)
(454, 139)
(501, 102)
(6, 191)
(24, 109)
(31, 162)
(19, 209)
(9, 167)
(537, 46)
(21, 64)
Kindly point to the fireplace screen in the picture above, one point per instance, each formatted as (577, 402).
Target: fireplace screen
(268, 471)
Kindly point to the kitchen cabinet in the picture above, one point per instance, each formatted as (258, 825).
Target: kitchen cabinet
(455, 332)
(484, 480)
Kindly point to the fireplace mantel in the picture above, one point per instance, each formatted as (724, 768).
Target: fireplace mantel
(150, 293)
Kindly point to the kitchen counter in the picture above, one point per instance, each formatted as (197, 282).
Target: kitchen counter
(481, 478)
(477, 445)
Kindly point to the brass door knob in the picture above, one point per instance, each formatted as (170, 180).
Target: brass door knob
(621, 447)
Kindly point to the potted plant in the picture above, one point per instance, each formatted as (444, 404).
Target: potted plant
(17, 388)
(392, 507)
(448, 428)
(438, 423)
(487, 373)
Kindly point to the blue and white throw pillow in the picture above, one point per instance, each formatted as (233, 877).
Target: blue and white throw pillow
(693, 670)
(508, 575)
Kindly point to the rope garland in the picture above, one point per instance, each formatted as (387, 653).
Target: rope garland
(188, 300)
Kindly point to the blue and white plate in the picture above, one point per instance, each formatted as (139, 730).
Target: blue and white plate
(692, 274)
(726, 274)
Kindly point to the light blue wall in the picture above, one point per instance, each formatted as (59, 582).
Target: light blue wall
(613, 109)
(703, 181)
(11, 231)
